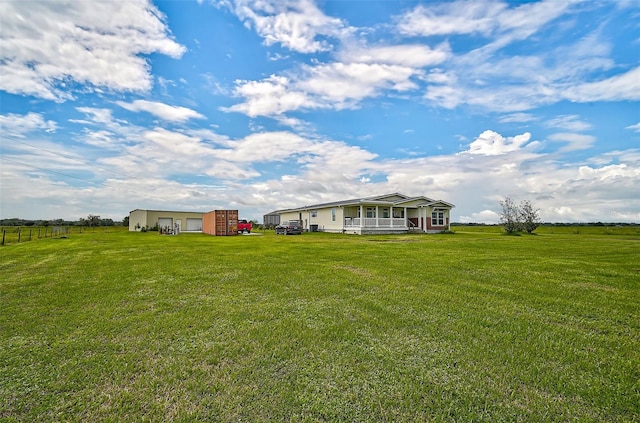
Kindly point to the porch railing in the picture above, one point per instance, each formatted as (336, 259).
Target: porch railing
(368, 222)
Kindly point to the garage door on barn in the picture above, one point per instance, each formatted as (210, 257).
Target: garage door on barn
(165, 221)
(194, 224)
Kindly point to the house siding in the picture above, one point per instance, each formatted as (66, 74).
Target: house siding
(415, 215)
(325, 222)
(286, 216)
(435, 228)
(323, 218)
(137, 220)
(149, 218)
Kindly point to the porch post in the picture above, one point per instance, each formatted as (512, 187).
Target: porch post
(361, 216)
(377, 216)
(391, 215)
(406, 218)
(425, 220)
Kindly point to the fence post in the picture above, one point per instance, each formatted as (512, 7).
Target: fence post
(4, 232)
(30, 231)
(19, 234)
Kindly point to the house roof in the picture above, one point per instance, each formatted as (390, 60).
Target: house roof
(167, 211)
(437, 202)
(394, 199)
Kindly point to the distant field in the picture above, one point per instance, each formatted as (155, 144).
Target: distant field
(474, 326)
(560, 229)
(15, 234)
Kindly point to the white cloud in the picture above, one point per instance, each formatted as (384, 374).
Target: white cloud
(629, 157)
(635, 127)
(96, 115)
(47, 45)
(483, 78)
(621, 87)
(407, 55)
(489, 78)
(438, 76)
(167, 154)
(521, 22)
(103, 119)
(161, 110)
(574, 141)
(297, 25)
(490, 18)
(265, 147)
(19, 125)
(445, 96)
(271, 96)
(327, 86)
(484, 216)
(451, 18)
(360, 72)
(340, 83)
(517, 117)
(517, 84)
(491, 143)
(569, 123)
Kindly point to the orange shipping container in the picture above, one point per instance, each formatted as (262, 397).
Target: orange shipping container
(220, 222)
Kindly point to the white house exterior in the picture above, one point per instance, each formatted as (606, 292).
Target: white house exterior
(385, 214)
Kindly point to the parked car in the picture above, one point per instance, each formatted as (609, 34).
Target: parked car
(292, 227)
(244, 226)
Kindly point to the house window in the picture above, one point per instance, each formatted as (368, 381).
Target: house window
(385, 213)
(437, 218)
(398, 213)
(314, 213)
(371, 212)
(333, 214)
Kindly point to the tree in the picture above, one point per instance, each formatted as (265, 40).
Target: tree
(125, 221)
(510, 216)
(529, 216)
(91, 220)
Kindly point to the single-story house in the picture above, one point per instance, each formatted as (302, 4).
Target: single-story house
(384, 214)
(181, 220)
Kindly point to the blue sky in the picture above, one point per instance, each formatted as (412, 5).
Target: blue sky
(106, 107)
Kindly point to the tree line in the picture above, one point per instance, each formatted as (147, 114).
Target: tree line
(90, 221)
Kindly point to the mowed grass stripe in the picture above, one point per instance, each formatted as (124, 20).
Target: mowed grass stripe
(321, 327)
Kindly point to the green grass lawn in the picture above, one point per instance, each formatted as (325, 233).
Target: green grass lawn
(474, 326)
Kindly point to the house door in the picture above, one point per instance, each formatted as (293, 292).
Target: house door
(178, 225)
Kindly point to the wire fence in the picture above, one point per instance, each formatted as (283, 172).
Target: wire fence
(16, 234)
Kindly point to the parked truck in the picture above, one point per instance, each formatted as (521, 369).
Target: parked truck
(244, 225)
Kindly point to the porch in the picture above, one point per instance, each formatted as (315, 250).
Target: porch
(388, 219)
(381, 225)
(372, 222)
